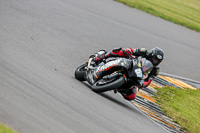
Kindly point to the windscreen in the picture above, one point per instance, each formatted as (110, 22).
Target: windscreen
(147, 66)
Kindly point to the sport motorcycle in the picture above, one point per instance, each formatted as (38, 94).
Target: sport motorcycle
(114, 73)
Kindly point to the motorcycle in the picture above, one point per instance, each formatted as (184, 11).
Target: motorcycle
(114, 73)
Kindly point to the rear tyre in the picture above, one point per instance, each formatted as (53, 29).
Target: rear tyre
(103, 85)
(80, 72)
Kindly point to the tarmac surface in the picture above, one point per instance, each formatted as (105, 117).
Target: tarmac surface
(42, 43)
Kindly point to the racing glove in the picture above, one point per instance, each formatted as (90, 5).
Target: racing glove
(140, 52)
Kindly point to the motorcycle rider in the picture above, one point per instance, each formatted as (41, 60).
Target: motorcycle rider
(155, 56)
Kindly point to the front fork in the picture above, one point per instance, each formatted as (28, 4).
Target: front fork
(89, 63)
(89, 73)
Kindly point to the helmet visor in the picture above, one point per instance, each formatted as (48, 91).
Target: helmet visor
(155, 61)
(147, 66)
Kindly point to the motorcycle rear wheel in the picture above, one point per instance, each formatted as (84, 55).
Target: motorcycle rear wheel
(80, 72)
(103, 85)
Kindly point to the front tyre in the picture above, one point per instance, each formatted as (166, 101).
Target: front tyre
(80, 72)
(103, 85)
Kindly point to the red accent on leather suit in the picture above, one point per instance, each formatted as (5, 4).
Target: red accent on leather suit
(128, 52)
(129, 97)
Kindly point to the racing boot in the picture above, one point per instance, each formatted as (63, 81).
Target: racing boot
(130, 94)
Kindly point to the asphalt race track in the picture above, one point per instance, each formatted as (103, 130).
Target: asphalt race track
(43, 41)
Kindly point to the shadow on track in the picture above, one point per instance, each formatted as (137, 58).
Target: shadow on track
(112, 99)
(118, 102)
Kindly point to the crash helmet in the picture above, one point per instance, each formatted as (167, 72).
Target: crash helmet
(155, 55)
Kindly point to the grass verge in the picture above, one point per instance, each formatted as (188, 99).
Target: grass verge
(183, 12)
(182, 105)
(4, 129)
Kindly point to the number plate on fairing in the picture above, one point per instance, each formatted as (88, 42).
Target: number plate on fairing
(138, 72)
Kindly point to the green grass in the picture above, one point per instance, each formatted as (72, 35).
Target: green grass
(183, 12)
(4, 129)
(182, 105)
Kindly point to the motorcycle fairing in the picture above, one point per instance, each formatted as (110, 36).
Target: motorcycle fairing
(111, 66)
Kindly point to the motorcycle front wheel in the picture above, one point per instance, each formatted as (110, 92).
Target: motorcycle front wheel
(80, 72)
(103, 85)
